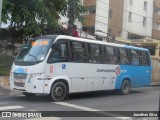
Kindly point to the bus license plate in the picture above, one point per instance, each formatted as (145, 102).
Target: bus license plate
(19, 80)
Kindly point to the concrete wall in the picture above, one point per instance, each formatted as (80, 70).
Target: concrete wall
(156, 20)
(101, 21)
(89, 2)
(116, 20)
(156, 70)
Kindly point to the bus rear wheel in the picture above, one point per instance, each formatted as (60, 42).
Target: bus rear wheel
(125, 87)
(29, 94)
(58, 92)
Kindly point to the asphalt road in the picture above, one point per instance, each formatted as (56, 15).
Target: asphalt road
(100, 104)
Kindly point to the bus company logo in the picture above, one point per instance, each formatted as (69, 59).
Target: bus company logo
(63, 66)
(118, 71)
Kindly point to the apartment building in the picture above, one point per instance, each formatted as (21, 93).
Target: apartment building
(156, 20)
(129, 19)
(89, 16)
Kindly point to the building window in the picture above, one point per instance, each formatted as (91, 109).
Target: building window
(156, 11)
(130, 2)
(92, 9)
(110, 14)
(130, 17)
(156, 26)
(144, 21)
(145, 6)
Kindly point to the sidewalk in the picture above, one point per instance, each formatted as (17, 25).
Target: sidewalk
(4, 87)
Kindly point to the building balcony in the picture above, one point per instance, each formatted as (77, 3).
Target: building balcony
(89, 2)
(156, 18)
(156, 3)
(89, 20)
(156, 34)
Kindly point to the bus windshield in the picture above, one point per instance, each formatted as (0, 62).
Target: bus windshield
(34, 51)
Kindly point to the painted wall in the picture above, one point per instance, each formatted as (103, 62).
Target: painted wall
(101, 21)
(136, 24)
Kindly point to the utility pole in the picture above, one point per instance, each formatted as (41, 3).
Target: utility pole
(71, 14)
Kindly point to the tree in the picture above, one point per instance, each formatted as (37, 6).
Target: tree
(32, 16)
(75, 10)
(36, 16)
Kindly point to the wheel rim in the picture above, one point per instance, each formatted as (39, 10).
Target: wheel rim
(59, 91)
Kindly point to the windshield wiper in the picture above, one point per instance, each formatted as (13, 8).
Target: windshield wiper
(33, 56)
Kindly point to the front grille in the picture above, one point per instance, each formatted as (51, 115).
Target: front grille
(20, 76)
(19, 79)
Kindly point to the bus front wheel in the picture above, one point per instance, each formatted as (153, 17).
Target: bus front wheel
(58, 91)
(125, 87)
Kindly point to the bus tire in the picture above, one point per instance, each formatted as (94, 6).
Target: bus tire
(125, 87)
(58, 92)
(29, 94)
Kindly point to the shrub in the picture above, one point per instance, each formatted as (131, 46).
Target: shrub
(5, 64)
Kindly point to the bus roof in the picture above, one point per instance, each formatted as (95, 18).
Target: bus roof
(92, 41)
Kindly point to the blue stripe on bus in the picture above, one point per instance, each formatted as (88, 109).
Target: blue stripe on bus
(137, 75)
(20, 70)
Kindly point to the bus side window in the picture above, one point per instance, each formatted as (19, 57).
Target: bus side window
(123, 56)
(78, 51)
(59, 52)
(94, 53)
(144, 58)
(109, 54)
(135, 57)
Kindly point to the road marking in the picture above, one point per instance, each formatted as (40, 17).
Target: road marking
(32, 110)
(76, 106)
(93, 110)
(10, 107)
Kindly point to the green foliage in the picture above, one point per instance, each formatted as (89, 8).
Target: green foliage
(5, 64)
(35, 16)
(79, 9)
(32, 16)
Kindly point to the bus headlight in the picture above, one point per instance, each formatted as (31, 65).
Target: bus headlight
(34, 75)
